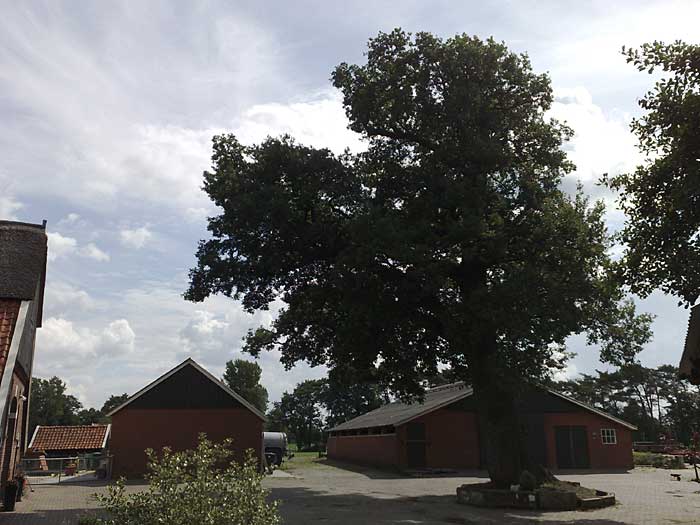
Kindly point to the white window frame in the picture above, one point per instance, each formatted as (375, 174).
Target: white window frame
(608, 436)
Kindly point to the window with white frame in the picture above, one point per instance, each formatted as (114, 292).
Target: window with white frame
(608, 436)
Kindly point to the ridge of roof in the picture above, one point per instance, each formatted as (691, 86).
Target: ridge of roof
(459, 390)
(189, 362)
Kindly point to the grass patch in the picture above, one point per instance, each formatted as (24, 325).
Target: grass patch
(302, 460)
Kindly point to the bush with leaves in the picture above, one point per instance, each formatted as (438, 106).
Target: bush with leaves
(203, 486)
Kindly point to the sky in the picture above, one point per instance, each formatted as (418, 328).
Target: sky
(107, 110)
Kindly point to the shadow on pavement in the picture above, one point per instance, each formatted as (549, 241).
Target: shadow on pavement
(375, 473)
(300, 506)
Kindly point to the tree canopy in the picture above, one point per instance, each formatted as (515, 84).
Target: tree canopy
(447, 242)
(243, 377)
(51, 405)
(661, 198)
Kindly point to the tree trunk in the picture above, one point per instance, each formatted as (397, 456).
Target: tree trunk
(499, 421)
(499, 418)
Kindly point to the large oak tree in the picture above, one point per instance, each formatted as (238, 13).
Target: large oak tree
(447, 242)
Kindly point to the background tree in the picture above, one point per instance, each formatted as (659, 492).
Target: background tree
(448, 242)
(660, 198)
(51, 405)
(276, 420)
(301, 413)
(243, 377)
(89, 416)
(344, 398)
(113, 402)
(653, 399)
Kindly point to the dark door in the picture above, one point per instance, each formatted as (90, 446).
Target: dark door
(572, 447)
(415, 445)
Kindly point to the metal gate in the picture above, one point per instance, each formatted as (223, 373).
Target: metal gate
(70, 469)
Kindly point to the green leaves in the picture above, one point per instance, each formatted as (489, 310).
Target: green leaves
(661, 198)
(447, 242)
(202, 486)
(243, 377)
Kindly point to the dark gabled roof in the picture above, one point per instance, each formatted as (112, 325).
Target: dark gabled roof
(23, 261)
(73, 437)
(689, 366)
(398, 413)
(191, 363)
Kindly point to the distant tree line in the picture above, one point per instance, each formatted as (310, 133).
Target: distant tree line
(653, 399)
(51, 405)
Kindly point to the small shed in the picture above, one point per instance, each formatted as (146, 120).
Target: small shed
(70, 440)
(443, 432)
(173, 410)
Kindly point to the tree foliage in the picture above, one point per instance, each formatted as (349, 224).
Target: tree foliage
(301, 413)
(203, 486)
(344, 398)
(653, 399)
(661, 198)
(113, 402)
(447, 242)
(51, 405)
(243, 377)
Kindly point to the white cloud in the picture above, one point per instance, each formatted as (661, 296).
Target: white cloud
(60, 295)
(602, 142)
(61, 345)
(93, 252)
(320, 122)
(60, 246)
(8, 207)
(135, 238)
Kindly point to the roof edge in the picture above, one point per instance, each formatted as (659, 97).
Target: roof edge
(191, 362)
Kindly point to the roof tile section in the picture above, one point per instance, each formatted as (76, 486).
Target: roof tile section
(78, 437)
(398, 413)
(9, 310)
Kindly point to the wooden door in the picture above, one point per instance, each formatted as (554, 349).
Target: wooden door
(572, 447)
(416, 445)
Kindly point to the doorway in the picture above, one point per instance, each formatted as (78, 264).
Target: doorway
(572, 447)
(416, 445)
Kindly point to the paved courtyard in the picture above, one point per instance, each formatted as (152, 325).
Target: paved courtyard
(336, 494)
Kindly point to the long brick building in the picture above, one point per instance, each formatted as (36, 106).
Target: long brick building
(443, 432)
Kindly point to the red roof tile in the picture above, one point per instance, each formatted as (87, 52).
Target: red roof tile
(9, 310)
(78, 437)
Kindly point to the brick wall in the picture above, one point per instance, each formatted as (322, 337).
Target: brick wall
(452, 440)
(134, 430)
(375, 450)
(602, 456)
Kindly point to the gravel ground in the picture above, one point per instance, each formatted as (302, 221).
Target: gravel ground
(311, 492)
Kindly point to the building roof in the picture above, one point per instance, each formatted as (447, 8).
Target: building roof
(23, 249)
(189, 362)
(398, 413)
(690, 361)
(74, 437)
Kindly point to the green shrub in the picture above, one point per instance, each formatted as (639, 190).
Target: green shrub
(203, 486)
(651, 459)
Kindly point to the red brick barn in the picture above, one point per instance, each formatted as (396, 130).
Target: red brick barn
(443, 432)
(173, 410)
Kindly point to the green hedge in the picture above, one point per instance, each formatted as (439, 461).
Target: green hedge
(650, 459)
